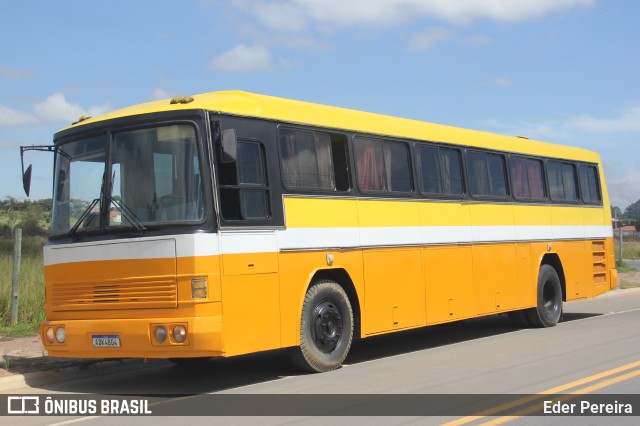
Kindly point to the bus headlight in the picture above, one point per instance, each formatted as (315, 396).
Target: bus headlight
(49, 335)
(179, 333)
(161, 334)
(60, 335)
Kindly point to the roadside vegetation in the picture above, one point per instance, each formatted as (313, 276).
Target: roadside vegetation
(33, 218)
(630, 249)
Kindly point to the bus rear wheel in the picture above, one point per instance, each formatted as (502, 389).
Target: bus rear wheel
(326, 328)
(549, 299)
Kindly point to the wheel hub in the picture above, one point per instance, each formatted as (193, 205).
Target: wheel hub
(327, 327)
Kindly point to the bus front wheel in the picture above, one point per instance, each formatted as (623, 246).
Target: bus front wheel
(326, 328)
(549, 299)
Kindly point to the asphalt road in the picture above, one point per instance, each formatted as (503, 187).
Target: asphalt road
(635, 264)
(594, 350)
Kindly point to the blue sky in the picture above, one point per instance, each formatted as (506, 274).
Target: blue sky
(565, 71)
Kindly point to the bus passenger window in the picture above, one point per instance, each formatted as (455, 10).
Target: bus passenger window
(589, 186)
(370, 164)
(382, 165)
(440, 170)
(396, 158)
(526, 178)
(244, 194)
(314, 160)
(562, 181)
(487, 176)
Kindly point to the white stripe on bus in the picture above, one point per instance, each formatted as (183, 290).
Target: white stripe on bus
(267, 241)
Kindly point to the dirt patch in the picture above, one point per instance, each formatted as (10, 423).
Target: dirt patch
(629, 279)
(19, 355)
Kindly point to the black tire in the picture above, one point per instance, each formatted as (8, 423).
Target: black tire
(548, 311)
(326, 328)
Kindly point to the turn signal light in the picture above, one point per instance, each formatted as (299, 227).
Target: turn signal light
(199, 288)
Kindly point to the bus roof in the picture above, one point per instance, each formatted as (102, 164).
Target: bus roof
(292, 111)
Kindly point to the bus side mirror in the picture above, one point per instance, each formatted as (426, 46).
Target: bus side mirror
(26, 174)
(229, 146)
(26, 180)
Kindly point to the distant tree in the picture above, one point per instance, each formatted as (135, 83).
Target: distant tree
(632, 213)
(10, 206)
(30, 228)
(5, 231)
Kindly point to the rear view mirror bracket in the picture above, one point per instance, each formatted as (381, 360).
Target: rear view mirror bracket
(26, 174)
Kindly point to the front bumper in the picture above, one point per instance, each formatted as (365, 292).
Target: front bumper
(136, 337)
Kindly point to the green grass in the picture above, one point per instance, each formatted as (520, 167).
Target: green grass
(630, 249)
(20, 330)
(623, 267)
(30, 290)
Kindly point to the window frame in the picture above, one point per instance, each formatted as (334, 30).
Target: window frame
(309, 189)
(573, 165)
(505, 172)
(385, 190)
(419, 170)
(545, 198)
(598, 184)
(241, 187)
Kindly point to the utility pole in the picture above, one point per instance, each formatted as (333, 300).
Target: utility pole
(15, 281)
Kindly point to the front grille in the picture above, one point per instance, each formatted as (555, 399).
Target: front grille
(156, 292)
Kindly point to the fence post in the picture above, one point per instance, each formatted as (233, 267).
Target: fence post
(620, 243)
(15, 281)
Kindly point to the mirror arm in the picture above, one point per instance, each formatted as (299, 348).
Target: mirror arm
(26, 175)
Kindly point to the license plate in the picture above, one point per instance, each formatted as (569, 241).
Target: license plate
(106, 341)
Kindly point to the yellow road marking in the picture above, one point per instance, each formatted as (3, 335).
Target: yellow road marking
(561, 388)
(570, 396)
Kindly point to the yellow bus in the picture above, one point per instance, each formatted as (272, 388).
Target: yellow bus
(229, 223)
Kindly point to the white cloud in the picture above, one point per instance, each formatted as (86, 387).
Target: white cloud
(11, 74)
(391, 12)
(6, 143)
(56, 109)
(627, 121)
(244, 58)
(159, 93)
(623, 190)
(503, 81)
(429, 38)
(14, 118)
(283, 16)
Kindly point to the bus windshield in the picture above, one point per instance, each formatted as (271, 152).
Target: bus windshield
(153, 178)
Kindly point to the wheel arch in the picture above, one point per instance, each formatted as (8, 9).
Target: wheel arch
(341, 276)
(553, 260)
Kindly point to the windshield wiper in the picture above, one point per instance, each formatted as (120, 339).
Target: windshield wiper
(83, 217)
(126, 211)
(128, 214)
